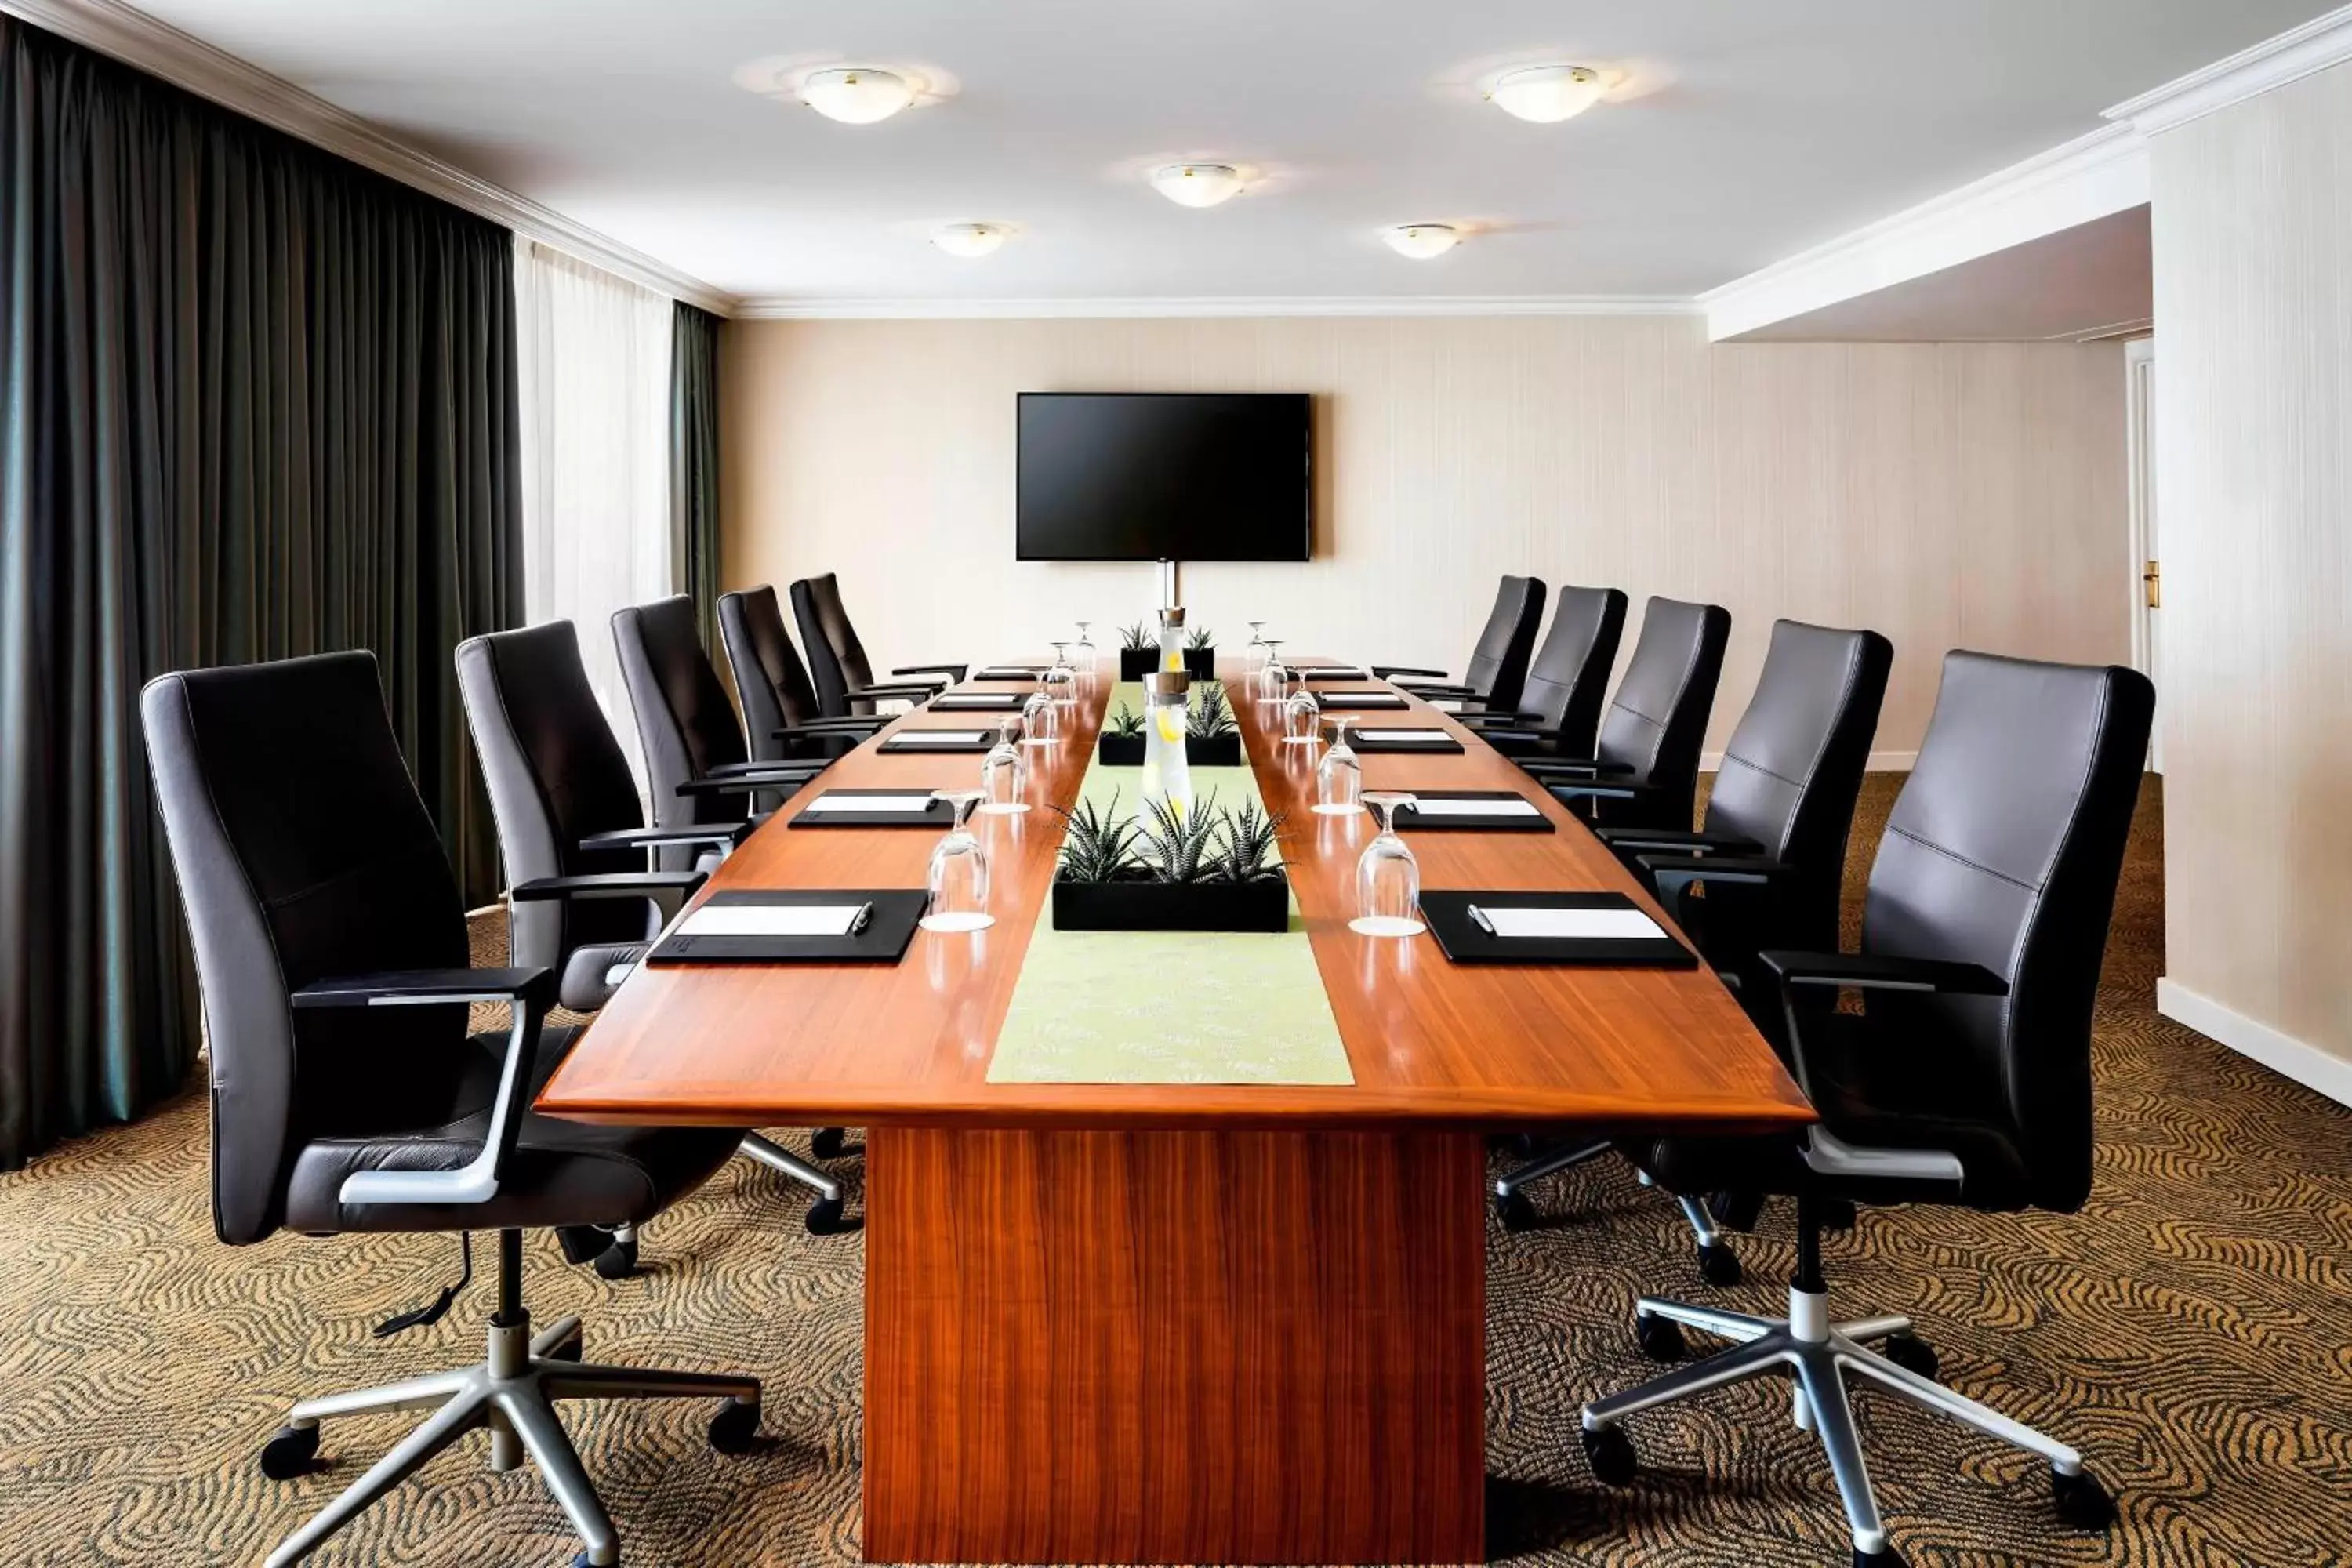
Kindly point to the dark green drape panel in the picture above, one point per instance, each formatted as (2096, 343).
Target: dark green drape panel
(694, 461)
(258, 401)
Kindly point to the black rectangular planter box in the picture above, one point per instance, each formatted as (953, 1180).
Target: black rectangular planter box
(1200, 751)
(1135, 663)
(1162, 906)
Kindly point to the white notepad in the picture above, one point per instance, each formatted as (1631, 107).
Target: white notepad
(1424, 806)
(913, 804)
(1334, 671)
(938, 737)
(1401, 734)
(1008, 672)
(1607, 925)
(969, 700)
(770, 920)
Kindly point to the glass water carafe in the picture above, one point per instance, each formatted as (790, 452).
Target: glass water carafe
(1172, 639)
(1167, 775)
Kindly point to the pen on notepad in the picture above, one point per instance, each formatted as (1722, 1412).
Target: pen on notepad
(1478, 918)
(857, 922)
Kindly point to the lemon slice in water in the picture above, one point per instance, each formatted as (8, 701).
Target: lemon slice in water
(1171, 724)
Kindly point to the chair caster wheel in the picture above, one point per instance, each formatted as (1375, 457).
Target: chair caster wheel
(1836, 1214)
(1515, 1212)
(1912, 1354)
(1661, 1339)
(1611, 1454)
(826, 1143)
(824, 1218)
(1885, 1557)
(618, 1261)
(1735, 1211)
(1718, 1265)
(294, 1451)
(2082, 1502)
(735, 1427)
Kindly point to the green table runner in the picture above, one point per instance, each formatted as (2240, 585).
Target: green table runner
(1168, 1006)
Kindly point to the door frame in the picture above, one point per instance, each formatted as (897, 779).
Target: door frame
(2145, 540)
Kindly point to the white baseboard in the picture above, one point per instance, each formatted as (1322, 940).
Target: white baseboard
(1880, 761)
(2305, 1063)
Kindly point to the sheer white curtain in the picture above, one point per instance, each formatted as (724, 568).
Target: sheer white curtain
(595, 381)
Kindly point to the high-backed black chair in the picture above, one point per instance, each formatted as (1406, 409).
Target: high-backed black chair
(1568, 680)
(698, 769)
(1771, 853)
(1498, 664)
(844, 679)
(579, 898)
(347, 1092)
(1644, 773)
(781, 717)
(1966, 1078)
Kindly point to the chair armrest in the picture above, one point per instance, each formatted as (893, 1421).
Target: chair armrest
(908, 691)
(862, 727)
(1388, 671)
(417, 987)
(954, 672)
(1548, 767)
(607, 885)
(1516, 735)
(1442, 691)
(1667, 841)
(1673, 876)
(1478, 716)
(729, 833)
(1875, 972)
(785, 776)
(1566, 790)
(842, 721)
(531, 991)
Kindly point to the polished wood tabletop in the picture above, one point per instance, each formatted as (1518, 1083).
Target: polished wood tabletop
(1432, 1043)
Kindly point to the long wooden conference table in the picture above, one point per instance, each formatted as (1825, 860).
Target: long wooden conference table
(1169, 1322)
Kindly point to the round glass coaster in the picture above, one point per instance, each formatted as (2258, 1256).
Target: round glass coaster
(1385, 925)
(959, 922)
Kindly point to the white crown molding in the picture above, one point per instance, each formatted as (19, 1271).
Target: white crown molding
(136, 39)
(792, 310)
(2090, 177)
(2322, 42)
(2312, 1066)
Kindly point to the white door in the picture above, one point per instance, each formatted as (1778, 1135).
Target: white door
(2146, 559)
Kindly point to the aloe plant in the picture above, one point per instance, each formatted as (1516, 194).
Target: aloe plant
(1135, 636)
(1099, 845)
(1126, 721)
(1249, 837)
(1176, 842)
(1200, 637)
(1210, 715)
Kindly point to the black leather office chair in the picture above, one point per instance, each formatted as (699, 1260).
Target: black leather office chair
(579, 898)
(1771, 853)
(698, 770)
(347, 1094)
(844, 679)
(1644, 773)
(781, 717)
(1498, 664)
(1568, 680)
(1967, 1080)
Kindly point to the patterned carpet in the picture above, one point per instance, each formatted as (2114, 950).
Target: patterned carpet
(2191, 1330)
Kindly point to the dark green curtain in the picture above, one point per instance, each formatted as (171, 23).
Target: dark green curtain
(258, 401)
(694, 461)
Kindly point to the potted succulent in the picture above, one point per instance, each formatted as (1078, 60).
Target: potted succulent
(1206, 870)
(1211, 740)
(1138, 652)
(1200, 653)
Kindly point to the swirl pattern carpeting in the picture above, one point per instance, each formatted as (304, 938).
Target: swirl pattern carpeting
(2191, 1330)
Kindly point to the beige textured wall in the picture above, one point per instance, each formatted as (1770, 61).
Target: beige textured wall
(1947, 495)
(2253, 441)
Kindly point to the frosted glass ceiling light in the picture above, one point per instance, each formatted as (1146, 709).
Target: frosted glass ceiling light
(969, 240)
(1197, 184)
(1421, 241)
(856, 95)
(1546, 94)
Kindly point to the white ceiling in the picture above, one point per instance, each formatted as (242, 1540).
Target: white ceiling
(1749, 129)
(2095, 279)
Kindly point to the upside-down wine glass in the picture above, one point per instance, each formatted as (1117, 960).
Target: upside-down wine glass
(1041, 720)
(1388, 879)
(1273, 680)
(959, 875)
(1089, 660)
(1004, 772)
(1302, 718)
(1340, 780)
(1061, 680)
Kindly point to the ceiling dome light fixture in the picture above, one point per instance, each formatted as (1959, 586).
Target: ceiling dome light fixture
(1197, 184)
(970, 240)
(1421, 241)
(856, 95)
(1546, 94)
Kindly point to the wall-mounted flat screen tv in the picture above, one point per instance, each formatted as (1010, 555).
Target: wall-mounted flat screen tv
(1150, 476)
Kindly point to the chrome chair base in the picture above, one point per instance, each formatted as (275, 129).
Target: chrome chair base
(512, 1393)
(1717, 1262)
(1818, 1354)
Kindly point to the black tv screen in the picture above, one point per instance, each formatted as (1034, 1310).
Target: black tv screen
(1152, 475)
